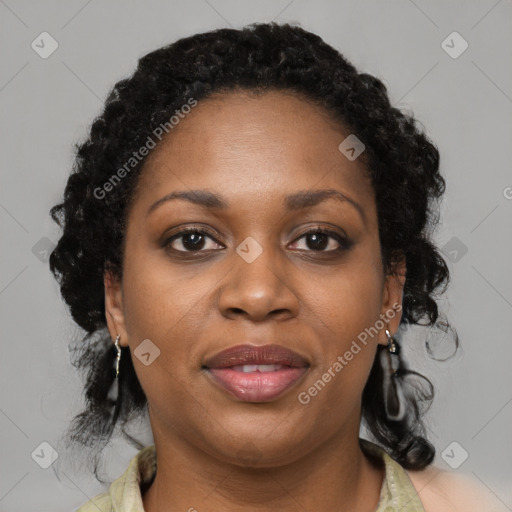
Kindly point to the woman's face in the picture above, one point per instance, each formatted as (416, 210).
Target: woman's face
(254, 279)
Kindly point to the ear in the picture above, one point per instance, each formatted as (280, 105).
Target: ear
(392, 295)
(114, 311)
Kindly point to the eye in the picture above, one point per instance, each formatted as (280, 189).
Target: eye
(320, 239)
(193, 240)
(190, 240)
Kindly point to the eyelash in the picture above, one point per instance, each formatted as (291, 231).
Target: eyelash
(344, 243)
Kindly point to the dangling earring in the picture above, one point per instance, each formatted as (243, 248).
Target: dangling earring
(113, 393)
(394, 399)
(118, 357)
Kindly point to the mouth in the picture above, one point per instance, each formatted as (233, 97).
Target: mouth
(253, 373)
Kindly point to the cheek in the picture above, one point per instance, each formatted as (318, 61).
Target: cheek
(348, 300)
(345, 308)
(163, 308)
(158, 298)
(170, 308)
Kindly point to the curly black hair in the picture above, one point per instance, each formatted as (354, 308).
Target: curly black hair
(403, 165)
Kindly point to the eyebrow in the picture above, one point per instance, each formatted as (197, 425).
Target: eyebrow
(293, 202)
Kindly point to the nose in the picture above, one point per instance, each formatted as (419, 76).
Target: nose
(258, 290)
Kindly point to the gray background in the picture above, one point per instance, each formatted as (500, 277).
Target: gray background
(464, 103)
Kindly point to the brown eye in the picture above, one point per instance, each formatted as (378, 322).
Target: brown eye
(190, 240)
(323, 240)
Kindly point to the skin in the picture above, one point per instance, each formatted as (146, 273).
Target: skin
(215, 452)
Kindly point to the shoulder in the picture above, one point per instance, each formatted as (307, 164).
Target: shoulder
(100, 503)
(447, 491)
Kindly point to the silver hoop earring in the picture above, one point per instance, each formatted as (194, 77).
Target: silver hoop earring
(394, 399)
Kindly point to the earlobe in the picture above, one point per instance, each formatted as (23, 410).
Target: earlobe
(114, 312)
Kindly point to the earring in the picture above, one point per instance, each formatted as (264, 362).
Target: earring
(394, 399)
(113, 392)
(118, 357)
(392, 346)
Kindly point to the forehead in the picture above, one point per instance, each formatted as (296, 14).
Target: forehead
(259, 144)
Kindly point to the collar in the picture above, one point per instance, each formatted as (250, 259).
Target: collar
(397, 492)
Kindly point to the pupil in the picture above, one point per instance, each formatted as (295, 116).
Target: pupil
(319, 241)
(192, 241)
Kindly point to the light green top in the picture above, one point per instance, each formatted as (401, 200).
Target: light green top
(124, 495)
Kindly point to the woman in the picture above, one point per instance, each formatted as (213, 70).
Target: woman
(245, 230)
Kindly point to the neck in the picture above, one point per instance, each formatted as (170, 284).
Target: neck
(335, 476)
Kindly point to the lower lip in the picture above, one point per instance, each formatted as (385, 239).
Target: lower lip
(256, 386)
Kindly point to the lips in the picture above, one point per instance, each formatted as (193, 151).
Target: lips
(256, 373)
